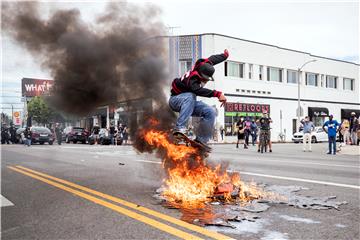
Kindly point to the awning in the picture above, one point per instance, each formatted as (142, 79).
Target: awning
(346, 113)
(318, 112)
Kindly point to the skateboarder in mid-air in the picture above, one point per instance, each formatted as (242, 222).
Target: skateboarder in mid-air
(183, 99)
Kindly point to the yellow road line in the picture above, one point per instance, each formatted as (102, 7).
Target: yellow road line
(178, 222)
(134, 215)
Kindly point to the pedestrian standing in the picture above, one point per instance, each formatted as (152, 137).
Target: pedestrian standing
(354, 125)
(27, 137)
(95, 132)
(247, 132)
(332, 128)
(308, 127)
(254, 129)
(265, 129)
(345, 125)
(12, 132)
(5, 135)
(112, 132)
(58, 133)
(125, 134)
(240, 131)
(222, 132)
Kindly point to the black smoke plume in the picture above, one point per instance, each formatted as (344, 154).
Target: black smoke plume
(121, 56)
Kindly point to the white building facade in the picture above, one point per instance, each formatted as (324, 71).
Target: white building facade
(259, 76)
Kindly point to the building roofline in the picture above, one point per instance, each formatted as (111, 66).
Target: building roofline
(266, 44)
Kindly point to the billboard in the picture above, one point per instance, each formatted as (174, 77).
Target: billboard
(35, 87)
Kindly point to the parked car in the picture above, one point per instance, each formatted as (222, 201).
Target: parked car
(318, 135)
(18, 135)
(42, 135)
(104, 138)
(74, 134)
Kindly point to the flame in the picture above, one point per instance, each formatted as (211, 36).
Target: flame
(190, 181)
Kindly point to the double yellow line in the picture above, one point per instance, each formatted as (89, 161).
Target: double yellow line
(74, 189)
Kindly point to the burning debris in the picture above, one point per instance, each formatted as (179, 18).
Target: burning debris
(218, 212)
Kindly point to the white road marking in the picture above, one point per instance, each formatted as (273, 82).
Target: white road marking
(5, 202)
(301, 180)
(311, 163)
(147, 161)
(280, 177)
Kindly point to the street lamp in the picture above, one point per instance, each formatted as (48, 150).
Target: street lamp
(298, 112)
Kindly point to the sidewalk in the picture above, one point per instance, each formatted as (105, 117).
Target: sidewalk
(350, 150)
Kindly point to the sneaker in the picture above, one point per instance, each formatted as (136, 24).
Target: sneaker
(258, 150)
(328, 153)
(180, 130)
(270, 150)
(334, 153)
(245, 147)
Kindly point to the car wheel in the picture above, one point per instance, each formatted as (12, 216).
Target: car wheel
(67, 139)
(75, 142)
(313, 139)
(41, 143)
(51, 143)
(83, 142)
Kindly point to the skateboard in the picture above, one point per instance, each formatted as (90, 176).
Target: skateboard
(180, 138)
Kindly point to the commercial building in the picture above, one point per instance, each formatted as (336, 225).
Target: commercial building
(259, 76)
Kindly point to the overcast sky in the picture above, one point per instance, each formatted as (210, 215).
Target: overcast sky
(324, 28)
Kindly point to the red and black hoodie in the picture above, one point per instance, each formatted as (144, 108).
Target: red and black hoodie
(191, 81)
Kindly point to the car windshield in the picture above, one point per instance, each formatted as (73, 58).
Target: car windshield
(40, 130)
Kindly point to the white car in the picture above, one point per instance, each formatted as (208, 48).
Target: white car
(318, 135)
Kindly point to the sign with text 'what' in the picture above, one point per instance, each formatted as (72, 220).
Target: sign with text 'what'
(35, 87)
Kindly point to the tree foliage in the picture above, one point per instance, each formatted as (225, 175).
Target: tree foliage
(40, 111)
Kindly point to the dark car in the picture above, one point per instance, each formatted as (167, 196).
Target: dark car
(41, 135)
(104, 138)
(75, 134)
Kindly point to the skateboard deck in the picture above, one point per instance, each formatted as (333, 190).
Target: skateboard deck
(180, 137)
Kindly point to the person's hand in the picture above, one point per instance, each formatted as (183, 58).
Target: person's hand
(226, 53)
(222, 99)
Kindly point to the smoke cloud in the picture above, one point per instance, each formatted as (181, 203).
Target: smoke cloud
(92, 65)
(121, 56)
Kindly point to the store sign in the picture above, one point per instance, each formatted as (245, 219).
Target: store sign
(320, 114)
(245, 109)
(16, 118)
(35, 87)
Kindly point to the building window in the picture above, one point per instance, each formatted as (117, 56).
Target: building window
(260, 72)
(292, 76)
(331, 82)
(348, 84)
(274, 74)
(234, 69)
(312, 79)
(250, 71)
(185, 66)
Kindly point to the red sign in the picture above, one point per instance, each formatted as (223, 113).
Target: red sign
(246, 107)
(35, 87)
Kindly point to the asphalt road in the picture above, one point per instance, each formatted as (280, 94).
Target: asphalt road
(114, 199)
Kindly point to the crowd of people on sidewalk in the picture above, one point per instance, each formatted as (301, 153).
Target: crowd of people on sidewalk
(348, 131)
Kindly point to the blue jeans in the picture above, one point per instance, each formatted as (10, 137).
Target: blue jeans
(332, 141)
(187, 106)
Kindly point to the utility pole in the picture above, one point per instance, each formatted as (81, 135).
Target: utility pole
(298, 111)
